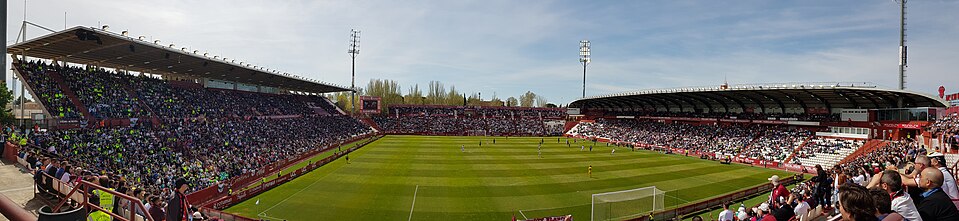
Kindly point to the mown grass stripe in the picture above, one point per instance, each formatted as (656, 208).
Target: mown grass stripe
(491, 182)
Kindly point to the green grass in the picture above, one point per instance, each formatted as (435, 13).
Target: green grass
(316, 158)
(492, 182)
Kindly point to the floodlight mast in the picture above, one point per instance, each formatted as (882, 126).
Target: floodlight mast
(354, 50)
(902, 48)
(584, 58)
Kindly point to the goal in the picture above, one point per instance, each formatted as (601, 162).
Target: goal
(626, 203)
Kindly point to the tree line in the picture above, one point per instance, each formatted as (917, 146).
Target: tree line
(436, 93)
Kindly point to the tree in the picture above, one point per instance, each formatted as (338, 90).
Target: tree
(495, 101)
(6, 96)
(527, 99)
(436, 93)
(511, 102)
(541, 101)
(388, 90)
(415, 96)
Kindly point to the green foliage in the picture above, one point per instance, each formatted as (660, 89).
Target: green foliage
(436, 93)
(6, 96)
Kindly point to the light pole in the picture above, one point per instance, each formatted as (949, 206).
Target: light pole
(584, 58)
(354, 50)
(902, 48)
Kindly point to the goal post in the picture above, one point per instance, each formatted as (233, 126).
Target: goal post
(626, 203)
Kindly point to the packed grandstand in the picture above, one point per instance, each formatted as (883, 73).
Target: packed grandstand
(142, 135)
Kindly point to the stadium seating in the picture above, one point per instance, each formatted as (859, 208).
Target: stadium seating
(458, 120)
(777, 145)
(205, 135)
(826, 151)
(107, 94)
(745, 116)
(47, 90)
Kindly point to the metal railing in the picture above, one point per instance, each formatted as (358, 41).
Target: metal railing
(81, 191)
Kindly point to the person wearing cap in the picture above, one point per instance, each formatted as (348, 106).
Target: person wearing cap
(778, 189)
(937, 161)
(176, 209)
(935, 204)
(763, 213)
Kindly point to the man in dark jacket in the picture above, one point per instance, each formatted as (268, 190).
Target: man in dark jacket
(176, 209)
(935, 204)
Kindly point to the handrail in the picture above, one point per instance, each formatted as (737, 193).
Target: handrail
(12, 211)
(84, 186)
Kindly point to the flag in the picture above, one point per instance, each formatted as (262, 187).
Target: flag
(257, 201)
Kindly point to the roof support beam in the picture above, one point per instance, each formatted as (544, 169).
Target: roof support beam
(700, 100)
(824, 101)
(762, 107)
(723, 95)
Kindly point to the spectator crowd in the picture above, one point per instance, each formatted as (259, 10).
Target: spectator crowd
(203, 137)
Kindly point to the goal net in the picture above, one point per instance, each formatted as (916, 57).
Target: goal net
(627, 203)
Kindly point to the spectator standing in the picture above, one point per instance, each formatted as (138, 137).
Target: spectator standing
(177, 208)
(726, 214)
(778, 189)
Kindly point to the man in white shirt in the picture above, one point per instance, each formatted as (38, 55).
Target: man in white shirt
(726, 214)
(802, 207)
(902, 203)
(938, 160)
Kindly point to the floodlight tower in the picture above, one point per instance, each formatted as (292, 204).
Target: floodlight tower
(584, 58)
(902, 47)
(354, 50)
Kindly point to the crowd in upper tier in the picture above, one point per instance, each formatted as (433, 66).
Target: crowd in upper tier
(717, 139)
(108, 94)
(719, 115)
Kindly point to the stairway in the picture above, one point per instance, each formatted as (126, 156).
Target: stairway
(71, 95)
(369, 122)
(139, 100)
(569, 126)
(798, 148)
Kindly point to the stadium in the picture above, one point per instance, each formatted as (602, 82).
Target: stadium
(127, 127)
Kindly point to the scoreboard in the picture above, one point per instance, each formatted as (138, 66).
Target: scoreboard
(370, 104)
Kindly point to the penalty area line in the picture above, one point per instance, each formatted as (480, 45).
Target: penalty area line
(412, 205)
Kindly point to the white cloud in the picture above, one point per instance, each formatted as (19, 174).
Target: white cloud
(509, 47)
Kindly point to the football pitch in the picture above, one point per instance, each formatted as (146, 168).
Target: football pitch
(431, 178)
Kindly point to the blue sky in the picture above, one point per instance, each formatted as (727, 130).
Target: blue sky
(509, 47)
